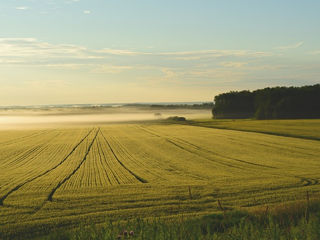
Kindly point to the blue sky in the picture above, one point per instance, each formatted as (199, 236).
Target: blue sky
(99, 51)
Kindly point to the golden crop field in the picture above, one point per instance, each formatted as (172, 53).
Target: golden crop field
(60, 177)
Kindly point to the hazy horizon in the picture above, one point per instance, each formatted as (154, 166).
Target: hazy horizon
(90, 52)
(99, 104)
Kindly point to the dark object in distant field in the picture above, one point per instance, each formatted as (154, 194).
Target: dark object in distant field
(269, 103)
(176, 118)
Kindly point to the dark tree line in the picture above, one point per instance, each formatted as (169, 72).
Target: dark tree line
(269, 103)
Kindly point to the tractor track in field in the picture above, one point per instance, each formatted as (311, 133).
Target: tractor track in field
(50, 195)
(100, 153)
(190, 151)
(41, 147)
(128, 155)
(182, 141)
(140, 179)
(304, 180)
(100, 149)
(195, 124)
(267, 133)
(309, 181)
(16, 188)
(49, 198)
(283, 148)
(217, 154)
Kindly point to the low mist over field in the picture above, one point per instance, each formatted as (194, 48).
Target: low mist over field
(42, 117)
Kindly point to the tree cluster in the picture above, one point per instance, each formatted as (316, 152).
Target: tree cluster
(269, 103)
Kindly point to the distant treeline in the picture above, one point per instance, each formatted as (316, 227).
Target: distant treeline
(269, 103)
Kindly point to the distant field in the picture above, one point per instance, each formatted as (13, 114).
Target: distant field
(60, 177)
(303, 128)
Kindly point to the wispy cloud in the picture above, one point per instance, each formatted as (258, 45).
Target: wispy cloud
(122, 52)
(31, 51)
(106, 68)
(219, 53)
(190, 55)
(25, 48)
(233, 64)
(67, 66)
(87, 12)
(317, 52)
(22, 8)
(292, 46)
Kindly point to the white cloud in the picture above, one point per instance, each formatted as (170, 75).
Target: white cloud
(292, 46)
(87, 12)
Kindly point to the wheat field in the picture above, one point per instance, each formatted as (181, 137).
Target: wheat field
(61, 177)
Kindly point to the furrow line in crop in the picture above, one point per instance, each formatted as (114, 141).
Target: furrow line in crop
(37, 151)
(116, 157)
(16, 188)
(182, 141)
(11, 160)
(217, 154)
(27, 153)
(24, 155)
(122, 173)
(103, 177)
(100, 149)
(42, 148)
(134, 159)
(95, 168)
(309, 181)
(195, 124)
(49, 198)
(190, 151)
(16, 140)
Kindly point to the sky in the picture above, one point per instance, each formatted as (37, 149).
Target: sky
(115, 51)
